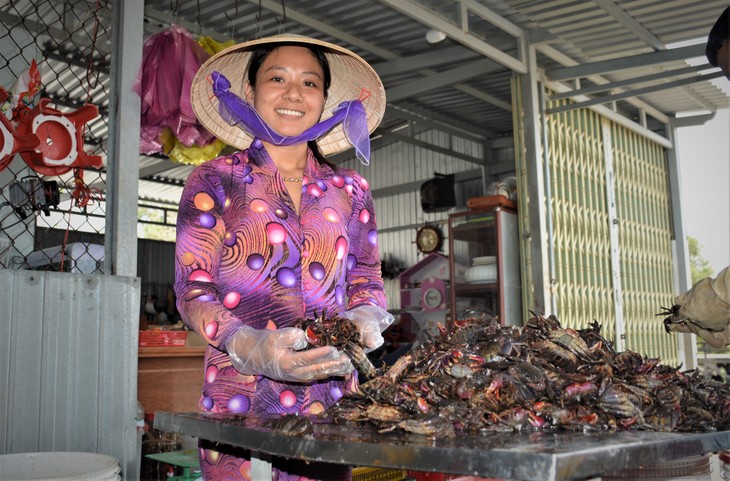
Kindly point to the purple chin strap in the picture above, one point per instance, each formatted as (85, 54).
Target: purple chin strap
(351, 113)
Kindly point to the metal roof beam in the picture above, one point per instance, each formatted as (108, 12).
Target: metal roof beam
(418, 110)
(693, 120)
(163, 18)
(633, 93)
(565, 60)
(416, 11)
(429, 119)
(630, 23)
(625, 83)
(161, 164)
(431, 58)
(383, 137)
(9, 20)
(278, 7)
(437, 148)
(443, 79)
(613, 65)
(493, 17)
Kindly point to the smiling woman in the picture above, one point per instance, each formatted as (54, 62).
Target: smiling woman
(273, 234)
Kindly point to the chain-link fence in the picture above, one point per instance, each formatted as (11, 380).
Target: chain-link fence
(54, 80)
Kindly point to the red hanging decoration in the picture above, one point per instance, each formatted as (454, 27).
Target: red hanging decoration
(82, 194)
(12, 142)
(61, 136)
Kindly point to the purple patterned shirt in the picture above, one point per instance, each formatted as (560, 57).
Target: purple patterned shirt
(245, 257)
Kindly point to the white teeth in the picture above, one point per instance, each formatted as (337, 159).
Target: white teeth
(289, 112)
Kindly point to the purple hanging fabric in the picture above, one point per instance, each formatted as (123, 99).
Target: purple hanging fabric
(351, 113)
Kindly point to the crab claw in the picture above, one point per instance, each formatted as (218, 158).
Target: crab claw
(671, 311)
(671, 325)
(667, 324)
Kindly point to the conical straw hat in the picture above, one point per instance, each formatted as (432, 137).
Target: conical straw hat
(352, 78)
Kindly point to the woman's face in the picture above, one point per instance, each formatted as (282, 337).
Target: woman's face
(289, 93)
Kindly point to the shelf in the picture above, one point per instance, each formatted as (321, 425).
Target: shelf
(180, 351)
(472, 231)
(475, 290)
(487, 232)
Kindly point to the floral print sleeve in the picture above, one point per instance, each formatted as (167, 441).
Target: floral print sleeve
(201, 237)
(364, 281)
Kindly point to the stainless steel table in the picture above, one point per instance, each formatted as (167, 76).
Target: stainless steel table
(526, 457)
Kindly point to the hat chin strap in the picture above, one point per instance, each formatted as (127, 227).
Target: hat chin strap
(351, 114)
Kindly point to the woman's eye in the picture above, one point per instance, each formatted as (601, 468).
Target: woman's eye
(277, 79)
(309, 83)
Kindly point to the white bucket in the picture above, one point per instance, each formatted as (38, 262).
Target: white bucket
(695, 468)
(58, 466)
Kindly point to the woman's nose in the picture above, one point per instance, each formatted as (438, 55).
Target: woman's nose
(293, 93)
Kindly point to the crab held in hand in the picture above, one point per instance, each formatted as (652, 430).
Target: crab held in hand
(340, 333)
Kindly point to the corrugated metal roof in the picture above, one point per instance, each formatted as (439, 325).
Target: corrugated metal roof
(424, 81)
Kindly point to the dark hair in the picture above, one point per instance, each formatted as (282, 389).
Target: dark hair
(259, 54)
(719, 36)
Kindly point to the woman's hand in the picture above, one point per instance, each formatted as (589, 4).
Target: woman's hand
(278, 354)
(371, 321)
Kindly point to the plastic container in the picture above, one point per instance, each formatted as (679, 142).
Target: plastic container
(483, 269)
(377, 474)
(58, 466)
(160, 338)
(695, 468)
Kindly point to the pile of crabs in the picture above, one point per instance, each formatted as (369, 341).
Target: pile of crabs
(482, 376)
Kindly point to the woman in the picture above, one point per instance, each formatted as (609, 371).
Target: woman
(272, 234)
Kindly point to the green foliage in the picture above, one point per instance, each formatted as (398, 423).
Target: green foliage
(699, 266)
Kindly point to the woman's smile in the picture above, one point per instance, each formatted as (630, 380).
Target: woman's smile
(292, 113)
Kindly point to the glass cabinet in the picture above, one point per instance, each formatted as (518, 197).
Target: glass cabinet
(484, 257)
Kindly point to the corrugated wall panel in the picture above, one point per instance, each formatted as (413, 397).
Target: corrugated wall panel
(69, 358)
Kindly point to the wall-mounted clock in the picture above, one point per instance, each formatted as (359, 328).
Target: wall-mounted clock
(429, 238)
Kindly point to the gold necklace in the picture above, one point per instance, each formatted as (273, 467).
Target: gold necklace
(292, 179)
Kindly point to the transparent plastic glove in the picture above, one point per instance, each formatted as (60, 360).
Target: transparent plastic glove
(371, 321)
(279, 355)
(716, 339)
(704, 310)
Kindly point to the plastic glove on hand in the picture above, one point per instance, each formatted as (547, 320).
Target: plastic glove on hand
(278, 354)
(371, 321)
(716, 339)
(703, 310)
(676, 322)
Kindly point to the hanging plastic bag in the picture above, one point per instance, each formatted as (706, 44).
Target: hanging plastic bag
(192, 155)
(170, 60)
(213, 46)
